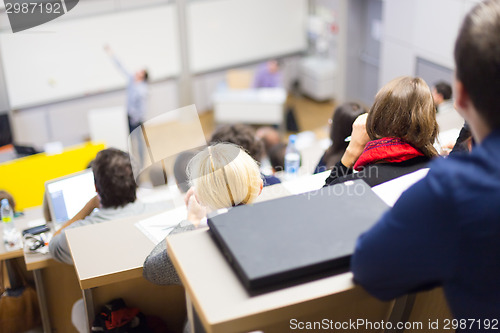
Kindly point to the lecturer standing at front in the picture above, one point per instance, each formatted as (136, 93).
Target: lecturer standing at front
(137, 92)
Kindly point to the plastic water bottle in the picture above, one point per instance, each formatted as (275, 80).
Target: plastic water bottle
(292, 158)
(9, 232)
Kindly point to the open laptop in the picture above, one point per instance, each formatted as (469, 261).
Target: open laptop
(67, 195)
(23, 151)
(280, 242)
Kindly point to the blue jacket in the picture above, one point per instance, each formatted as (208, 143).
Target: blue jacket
(443, 231)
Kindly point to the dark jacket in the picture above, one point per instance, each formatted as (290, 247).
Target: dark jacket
(270, 180)
(378, 173)
(443, 231)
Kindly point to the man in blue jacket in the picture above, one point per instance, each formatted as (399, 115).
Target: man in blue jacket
(445, 230)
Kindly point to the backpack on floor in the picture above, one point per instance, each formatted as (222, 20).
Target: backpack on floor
(116, 317)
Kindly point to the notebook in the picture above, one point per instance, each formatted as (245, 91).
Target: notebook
(276, 243)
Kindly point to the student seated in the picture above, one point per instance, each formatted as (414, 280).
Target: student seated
(116, 198)
(180, 170)
(244, 136)
(445, 230)
(340, 129)
(277, 157)
(222, 176)
(268, 75)
(269, 136)
(447, 117)
(395, 138)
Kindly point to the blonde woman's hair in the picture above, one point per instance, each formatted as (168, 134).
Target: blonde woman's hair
(404, 108)
(224, 175)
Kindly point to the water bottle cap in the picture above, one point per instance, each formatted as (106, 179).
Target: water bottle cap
(4, 202)
(292, 138)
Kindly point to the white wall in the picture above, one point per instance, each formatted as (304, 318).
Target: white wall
(419, 28)
(67, 121)
(339, 43)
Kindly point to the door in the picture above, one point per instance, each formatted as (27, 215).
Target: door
(364, 32)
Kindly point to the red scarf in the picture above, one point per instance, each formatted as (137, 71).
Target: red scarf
(386, 150)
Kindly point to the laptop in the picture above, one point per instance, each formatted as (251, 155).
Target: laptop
(23, 151)
(286, 241)
(67, 195)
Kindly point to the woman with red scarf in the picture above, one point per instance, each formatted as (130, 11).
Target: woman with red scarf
(395, 138)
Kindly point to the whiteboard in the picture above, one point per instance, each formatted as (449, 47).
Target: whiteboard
(222, 33)
(63, 60)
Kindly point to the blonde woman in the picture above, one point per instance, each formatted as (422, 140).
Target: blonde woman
(222, 176)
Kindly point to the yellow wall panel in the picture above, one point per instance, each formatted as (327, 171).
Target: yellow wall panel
(25, 177)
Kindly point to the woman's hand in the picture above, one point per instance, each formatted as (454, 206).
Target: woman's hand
(359, 139)
(196, 212)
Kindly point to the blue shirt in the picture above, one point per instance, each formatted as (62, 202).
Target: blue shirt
(137, 93)
(443, 231)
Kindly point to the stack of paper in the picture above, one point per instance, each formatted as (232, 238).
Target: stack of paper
(157, 227)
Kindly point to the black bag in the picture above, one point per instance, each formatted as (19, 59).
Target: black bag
(19, 310)
(291, 121)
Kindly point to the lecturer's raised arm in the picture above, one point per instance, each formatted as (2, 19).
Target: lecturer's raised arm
(117, 62)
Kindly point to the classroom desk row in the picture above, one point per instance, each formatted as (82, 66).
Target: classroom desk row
(108, 264)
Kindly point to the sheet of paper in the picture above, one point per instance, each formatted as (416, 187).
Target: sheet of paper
(305, 184)
(36, 222)
(391, 191)
(157, 227)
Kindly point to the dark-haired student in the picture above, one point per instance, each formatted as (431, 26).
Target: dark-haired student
(447, 117)
(277, 157)
(395, 138)
(245, 137)
(445, 230)
(340, 129)
(116, 198)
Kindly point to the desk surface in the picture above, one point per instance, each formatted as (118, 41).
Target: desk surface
(221, 300)
(257, 96)
(38, 261)
(33, 215)
(108, 252)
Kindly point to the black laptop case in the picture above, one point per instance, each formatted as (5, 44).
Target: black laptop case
(274, 243)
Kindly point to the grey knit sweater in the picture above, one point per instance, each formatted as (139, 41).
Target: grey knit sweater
(158, 267)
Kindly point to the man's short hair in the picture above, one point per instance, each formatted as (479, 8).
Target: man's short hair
(113, 177)
(240, 135)
(477, 58)
(277, 156)
(146, 75)
(444, 89)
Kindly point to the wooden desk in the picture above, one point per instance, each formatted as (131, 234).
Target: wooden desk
(250, 106)
(32, 215)
(223, 304)
(58, 286)
(52, 279)
(108, 261)
(119, 245)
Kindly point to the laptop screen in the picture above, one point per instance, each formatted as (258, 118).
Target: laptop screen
(69, 194)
